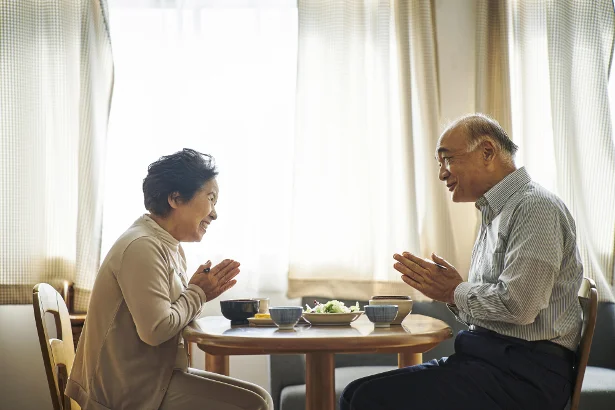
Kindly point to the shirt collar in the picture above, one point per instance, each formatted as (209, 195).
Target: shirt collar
(159, 231)
(492, 202)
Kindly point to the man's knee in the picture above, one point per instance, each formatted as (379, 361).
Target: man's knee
(363, 397)
(348, 392)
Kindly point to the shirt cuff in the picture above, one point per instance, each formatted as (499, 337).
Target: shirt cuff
(453, 308)
(199, 291)
(462, 295)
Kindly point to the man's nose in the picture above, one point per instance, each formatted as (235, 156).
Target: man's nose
(443, 173)
(213, 214)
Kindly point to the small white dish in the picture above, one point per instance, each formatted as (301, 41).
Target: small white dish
(261, 321)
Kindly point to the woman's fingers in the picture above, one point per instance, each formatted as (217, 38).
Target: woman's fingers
(204, 266)
(223, 267)
(229, 275)
(228, 285)
(227, 268)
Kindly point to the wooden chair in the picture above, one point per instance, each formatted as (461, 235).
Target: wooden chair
(58, 352)
(588, 297)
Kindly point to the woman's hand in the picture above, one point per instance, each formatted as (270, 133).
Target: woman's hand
(217, 280)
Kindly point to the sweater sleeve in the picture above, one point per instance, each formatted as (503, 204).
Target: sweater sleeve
(144, 280)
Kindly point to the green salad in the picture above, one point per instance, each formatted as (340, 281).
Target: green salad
(332, 306)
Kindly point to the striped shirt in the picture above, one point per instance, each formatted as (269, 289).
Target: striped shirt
(525, 271)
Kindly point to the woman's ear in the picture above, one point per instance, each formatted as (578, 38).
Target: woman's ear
(174, 200)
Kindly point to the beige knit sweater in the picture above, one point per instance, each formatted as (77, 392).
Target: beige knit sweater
(139, 305)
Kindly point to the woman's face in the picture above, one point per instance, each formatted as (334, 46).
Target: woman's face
(192, 218)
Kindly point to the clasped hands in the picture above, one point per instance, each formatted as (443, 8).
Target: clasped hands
(436, 278)
(217, 280)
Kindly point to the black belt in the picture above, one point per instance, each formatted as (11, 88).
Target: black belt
(542, 346)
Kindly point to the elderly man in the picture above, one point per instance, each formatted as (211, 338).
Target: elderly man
(520, 300)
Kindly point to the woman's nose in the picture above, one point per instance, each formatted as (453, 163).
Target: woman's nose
(213, 214)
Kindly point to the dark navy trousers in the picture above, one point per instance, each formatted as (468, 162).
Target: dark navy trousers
(485, 372)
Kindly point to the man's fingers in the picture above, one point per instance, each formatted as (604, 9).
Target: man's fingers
(402, 269)
(411, 264)
(415, 259)
(415, 276)
(411, 282)
(441, 261)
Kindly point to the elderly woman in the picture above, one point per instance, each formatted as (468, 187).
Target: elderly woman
(131, 354)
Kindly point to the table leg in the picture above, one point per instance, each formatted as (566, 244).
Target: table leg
(217, 364)
(320, 381)
(409, 359)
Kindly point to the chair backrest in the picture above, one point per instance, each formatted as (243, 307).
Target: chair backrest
(58, 352)
(588, 298)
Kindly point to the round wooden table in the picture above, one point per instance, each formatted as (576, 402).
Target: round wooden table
(216, 337)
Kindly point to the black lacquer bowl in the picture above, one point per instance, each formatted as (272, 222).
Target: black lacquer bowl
(239, 310)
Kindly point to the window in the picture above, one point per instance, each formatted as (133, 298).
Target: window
(218, 77)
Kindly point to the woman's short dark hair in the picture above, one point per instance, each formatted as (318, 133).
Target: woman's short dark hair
(184, 172)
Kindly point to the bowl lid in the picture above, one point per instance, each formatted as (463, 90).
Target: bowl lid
(391, 297)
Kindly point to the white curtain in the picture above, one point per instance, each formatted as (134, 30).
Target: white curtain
(56, 79)
(365, 184)
(557, 57)
(217, 76)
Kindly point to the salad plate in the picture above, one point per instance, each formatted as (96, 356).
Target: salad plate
(332, 313)
(332, 319)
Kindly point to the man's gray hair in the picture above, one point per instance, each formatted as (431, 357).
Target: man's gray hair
(478, 128)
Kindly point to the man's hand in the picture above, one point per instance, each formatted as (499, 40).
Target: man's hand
(217, 280)
(436, 279)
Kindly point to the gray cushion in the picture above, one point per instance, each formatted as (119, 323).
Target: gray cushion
(293, 397)
(602, 353)
(598, 392)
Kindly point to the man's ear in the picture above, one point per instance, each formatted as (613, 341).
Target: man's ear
(488, 150)
(174, 199)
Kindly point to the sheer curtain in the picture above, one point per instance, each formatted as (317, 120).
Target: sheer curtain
(367, 123)
(558, 55)
(218, 77)
(56, 79)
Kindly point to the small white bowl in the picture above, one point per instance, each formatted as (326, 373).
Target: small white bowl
(404, 305)
(381, 315)
(285, 317)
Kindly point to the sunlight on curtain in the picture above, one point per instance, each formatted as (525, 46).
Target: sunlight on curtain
(363, 189)
(561, 52)
(56, 80)
(218, 77)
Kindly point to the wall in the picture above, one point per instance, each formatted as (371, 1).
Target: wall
(22, 379)
(23, 385)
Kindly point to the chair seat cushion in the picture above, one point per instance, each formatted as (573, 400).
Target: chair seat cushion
(293, 397)
(598, 391)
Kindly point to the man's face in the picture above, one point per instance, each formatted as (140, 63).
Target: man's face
(463, 172)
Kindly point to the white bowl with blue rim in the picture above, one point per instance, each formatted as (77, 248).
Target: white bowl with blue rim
(381, 315)
(285, 317)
